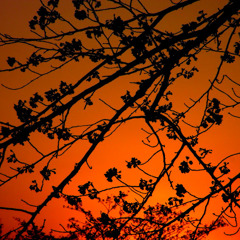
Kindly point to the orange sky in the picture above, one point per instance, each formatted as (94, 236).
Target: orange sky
(115, 150)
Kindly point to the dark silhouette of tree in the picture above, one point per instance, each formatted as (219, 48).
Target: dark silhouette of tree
(149, 225)
(128, 48)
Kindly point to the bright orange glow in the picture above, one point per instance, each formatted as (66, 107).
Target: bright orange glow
(124, 143)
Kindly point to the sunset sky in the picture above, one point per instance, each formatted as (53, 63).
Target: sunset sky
(127, 141)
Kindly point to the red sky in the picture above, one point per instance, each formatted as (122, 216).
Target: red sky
(14, 17)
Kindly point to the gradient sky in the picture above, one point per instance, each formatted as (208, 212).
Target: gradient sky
(224, 140)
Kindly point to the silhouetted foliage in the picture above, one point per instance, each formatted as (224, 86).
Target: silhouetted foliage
(132, 51)
(147, 225)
